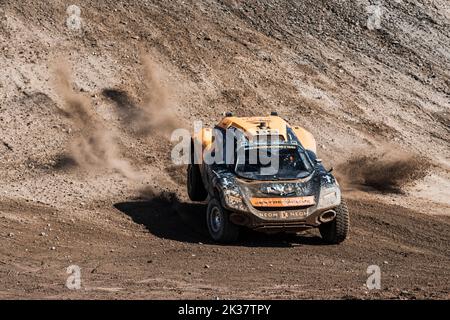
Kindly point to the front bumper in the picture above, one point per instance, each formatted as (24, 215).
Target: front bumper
(281, 219)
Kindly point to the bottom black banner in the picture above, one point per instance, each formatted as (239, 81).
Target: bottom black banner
(223, 309)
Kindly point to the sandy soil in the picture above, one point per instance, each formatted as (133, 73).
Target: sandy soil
(85, 121)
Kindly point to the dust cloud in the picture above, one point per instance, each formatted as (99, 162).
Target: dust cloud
(386, 170)
(154, 116)
(94, 145)
(157, 100)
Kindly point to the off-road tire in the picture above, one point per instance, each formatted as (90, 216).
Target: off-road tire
(336, 231)
(226, 231)
(195, 188)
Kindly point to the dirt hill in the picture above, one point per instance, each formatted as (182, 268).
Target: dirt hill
(86, 115)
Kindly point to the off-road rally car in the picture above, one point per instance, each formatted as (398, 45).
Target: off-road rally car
(262, 173)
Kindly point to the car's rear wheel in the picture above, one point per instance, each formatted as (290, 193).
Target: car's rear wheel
(195, 188)
(336, 231)
(220, 228)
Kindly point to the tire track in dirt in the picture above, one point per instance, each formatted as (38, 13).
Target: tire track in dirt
(147, 239)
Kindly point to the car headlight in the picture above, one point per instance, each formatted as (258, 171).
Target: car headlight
(233, 199)
(329, 197)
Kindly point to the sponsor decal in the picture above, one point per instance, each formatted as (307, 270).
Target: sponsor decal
(283, 215)
(283, 202)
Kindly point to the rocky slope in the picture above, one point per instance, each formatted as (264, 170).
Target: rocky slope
(381, 93)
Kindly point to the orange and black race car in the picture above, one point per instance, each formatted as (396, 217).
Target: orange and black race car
(262, 173)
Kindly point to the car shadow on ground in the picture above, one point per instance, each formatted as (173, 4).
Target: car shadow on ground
(168, 218)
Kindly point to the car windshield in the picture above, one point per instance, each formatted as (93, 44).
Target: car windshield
(273, 163)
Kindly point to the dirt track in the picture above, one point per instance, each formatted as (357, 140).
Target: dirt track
(359, 91)
(149, 249)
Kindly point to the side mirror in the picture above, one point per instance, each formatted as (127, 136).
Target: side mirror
(318, 160)
(331, 169)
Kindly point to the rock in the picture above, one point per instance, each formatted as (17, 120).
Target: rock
(53, 248)
(206, 266)
(42, 234)
(11, 234)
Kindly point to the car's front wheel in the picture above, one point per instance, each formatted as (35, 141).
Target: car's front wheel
(220, 228)
(337, 230)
